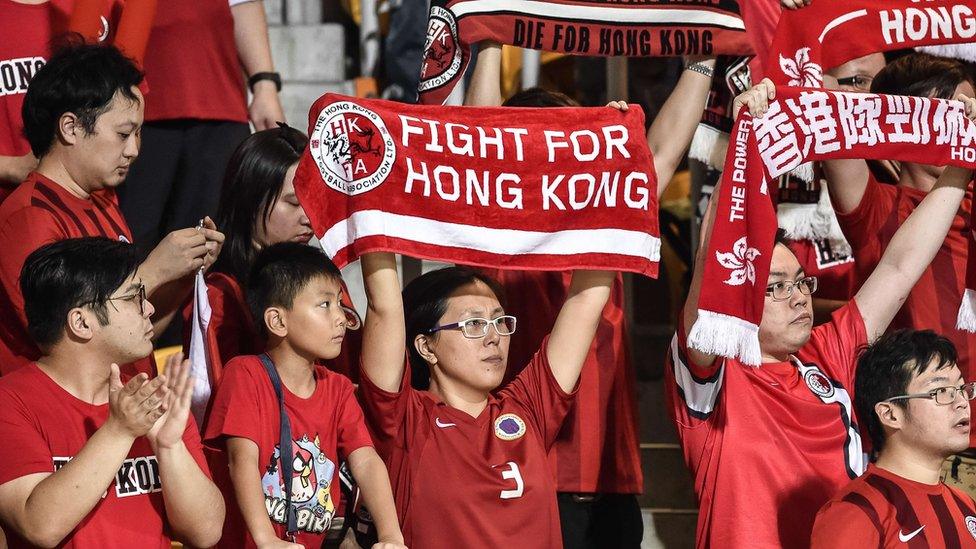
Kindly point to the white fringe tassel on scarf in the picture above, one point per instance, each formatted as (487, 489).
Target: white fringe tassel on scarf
(724, 335)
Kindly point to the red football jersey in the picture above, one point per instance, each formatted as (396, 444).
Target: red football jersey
(28, 31)
(834, 269)
(597, 449)
(769, 445)
(461, 481)
(326, 427)
(934, 301)
(882, 509)
(192, 67)
(42, 427)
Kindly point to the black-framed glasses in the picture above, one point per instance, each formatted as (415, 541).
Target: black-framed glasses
(781, 291)
(858, 82)
(140, 294)
(476, 328)
(942, 395)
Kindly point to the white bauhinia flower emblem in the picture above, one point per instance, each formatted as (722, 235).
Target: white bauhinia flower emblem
(739, 261)
(801, 70)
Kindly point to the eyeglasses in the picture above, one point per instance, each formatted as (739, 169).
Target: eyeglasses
(858, 82)
(140, 294)
(781, 291)
(942, 395)
(476, 328)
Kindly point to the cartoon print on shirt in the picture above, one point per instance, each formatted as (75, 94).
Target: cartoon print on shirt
(311, 481)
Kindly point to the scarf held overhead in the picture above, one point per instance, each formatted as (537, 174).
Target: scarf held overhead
(521, 188)
(802, 125)
(580, 27)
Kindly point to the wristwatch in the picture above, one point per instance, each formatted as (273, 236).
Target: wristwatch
(259, 76)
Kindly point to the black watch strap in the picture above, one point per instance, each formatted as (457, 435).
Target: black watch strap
(259, 76)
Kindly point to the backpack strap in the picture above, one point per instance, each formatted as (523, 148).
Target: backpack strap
(284, 446)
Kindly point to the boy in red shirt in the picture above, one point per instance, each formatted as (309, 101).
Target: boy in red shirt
(89, 458)
(915, 402)
(294, 293)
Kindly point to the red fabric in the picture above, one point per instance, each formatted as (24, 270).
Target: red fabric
(191, 63)
(28, 30)
(232, 332)
(326, 427)
(882, 509)
(933, 302)
(597, 449)
(42, 426)
(827, 34)
(803, 125)
(581, 27)
(511, 205)
(835, 272)
(39, 212)
(765, 450)
(456, 482)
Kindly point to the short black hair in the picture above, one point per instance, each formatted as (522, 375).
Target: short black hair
(922, 75)
(252, 183)
(280, 272)
(79, 78)
(540, 97)
(886, 367)
(425, 302)
(71, 273)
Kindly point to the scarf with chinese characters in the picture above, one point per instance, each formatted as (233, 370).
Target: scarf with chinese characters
(802, 125)
(580, 27)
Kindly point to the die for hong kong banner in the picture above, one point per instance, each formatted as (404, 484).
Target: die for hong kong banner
(633, 28)
(824, 35)
(802, 125)
(520, 188)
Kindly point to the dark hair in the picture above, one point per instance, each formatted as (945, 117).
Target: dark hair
(921, 75)
(425, 302)
(70, 273)
(885, 368)
(280, 273)
(539, 97)
(79, 78)
(252, 183)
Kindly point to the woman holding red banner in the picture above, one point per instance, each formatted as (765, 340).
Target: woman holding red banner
(468, 463)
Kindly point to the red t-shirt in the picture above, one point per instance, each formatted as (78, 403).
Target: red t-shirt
(42, 427)
(326, 428)
(597, 449)
(834, 269)
(769, 445)
(27, 31)
(191, 63)
(460, 481)
(934, 301)
(39, 212)
(882, 509)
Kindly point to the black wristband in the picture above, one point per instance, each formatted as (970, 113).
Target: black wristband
(259, 76)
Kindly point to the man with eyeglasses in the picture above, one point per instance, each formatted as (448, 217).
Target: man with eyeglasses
(914, 400)
(769, 445)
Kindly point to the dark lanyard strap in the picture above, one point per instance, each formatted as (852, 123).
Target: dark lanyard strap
(284, 446)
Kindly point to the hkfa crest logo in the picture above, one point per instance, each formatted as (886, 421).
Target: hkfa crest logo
(509, 427)
(739, 261)
(352, 148)
(801, 70)
(971, 525)
(442, 51)
(819, 384)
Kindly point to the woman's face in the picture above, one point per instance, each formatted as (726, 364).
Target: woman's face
(286, 221)
(477, 364)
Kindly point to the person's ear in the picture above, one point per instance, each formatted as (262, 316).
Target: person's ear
(70, 129)
(276, 320)
(889, 415)
(422, 344)
(80, 324)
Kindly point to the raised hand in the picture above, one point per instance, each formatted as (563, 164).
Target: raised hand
(136, 406)
(168, 430)
(970, 106)
(215, 241)
(756, 99)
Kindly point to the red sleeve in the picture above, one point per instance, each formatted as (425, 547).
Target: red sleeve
(351, 428)
(229, 326)
(386, 412)
(841, 525)
(20, 234)
(838, 343)
(692, 391)
(537, 390)
(238, 407)
(24, 450)
(863, 224)
(191, 439)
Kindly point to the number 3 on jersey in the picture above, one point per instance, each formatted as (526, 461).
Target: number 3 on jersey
(511, 472)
